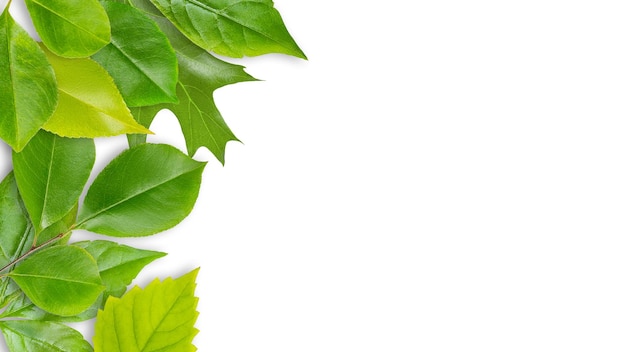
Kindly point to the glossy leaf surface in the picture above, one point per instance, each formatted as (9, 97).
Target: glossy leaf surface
(118, 264)
(145, 190)
(28, 92)
(70, 28)
(160, 317)
(90, 105)
(51, 172)
(62, 280)
(233, 28)
(139, 58)
(42, 336)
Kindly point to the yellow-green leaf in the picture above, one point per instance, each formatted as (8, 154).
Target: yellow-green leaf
(90, 105)
(160, 317)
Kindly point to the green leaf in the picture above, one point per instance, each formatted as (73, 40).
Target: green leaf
(62, 280)
(51, 172)
(40, 336)
(118, 264)
(15, 229)
(89, 103)
(71, 28)
(200, 74)
(139, 58)
(145, 190)
(23, 308)
(28, 92)
(231, 27)
(157, 318)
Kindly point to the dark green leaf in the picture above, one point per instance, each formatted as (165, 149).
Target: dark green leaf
(145, 190)
(62, 280)
(71, 28)
(51, 172)
(139, 58)
(160, 317)
(28, 92)
(40, 336)
(233, 28)
(118, 264)
(200, 74)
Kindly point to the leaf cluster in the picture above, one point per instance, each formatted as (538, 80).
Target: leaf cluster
(106, 68)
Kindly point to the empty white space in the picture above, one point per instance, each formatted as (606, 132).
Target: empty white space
(439, 176)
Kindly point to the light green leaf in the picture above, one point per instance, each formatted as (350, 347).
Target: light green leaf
(233, 28)
(145, 190)
(51, 172)
(62, 280)
(40, 336)
(200, 74)
(139, 58)
(28, 92)
(70, 28)
(160, 317)
(118, 264)
(89, 103)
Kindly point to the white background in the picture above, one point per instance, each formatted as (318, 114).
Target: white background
(439, 176)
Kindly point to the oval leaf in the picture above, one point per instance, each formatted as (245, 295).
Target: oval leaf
(139, 58)
(233, 28)
(28, 92)
(145, 190)
(71, 28)
(160, 317)
(89, 103)
(118, 264)
(62, 280)
(42, 336)
(51, 172)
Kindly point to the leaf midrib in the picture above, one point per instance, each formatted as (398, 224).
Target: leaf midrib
(96, 108)
(139, 68)
(13, 274)
(182, 293)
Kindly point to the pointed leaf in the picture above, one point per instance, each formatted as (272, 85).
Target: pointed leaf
(89, 103)
(71, 28)
(200, 74)
(160, 317)
(51, 172)
(62, 280)
(145, 190)
(118, 264)
(139, 58)
(231, 27)
(40, 336)
(28, 92)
